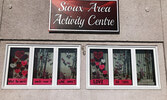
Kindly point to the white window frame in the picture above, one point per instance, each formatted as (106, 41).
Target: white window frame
(133, 63)
(30, 67)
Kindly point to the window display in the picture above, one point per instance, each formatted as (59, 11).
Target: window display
(145, 67)
(58, 67)
(122, 67)
(67, 66)
(34, 66)
(18, 66)
(43, 64)
(99, 67)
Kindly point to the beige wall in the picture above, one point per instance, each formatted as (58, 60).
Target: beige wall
(164, 21)
(142, 22)
(28, 19)
(83, 93)
(1, 3)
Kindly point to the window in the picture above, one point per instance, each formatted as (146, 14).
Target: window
(67, 67)
(145, 67)
(99, 67)
(122, 67)
(42, 67)
(18, 66)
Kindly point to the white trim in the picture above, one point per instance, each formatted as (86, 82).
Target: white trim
(110, 63)
(78, 66)
(55, 63)
(134, 70)
(157, 71)
(133, 63)
(30, 69)
(50, 12)
(87, 67)
(31, 48)
(5, 68)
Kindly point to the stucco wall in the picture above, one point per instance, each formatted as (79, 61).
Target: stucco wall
(83, 93)
(28, 19)
(1, 4)
(142, 22)
(164, 21)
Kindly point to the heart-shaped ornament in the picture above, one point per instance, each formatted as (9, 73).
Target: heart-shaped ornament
(17, 70)
(97, 63)
(24, 57)
(105, 72)
(19, 64)
(24, 72)
(98, 55)
(19, 54)
(12, 65)
(14, 60)
(24, 63)
(101, 67)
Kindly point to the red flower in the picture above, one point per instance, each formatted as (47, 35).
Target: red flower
(17, 70)
(24, 73)
(101, 67)
(97, 63)
(14, 60)
(105, 72)
(19, 65)
(98, 55)
(24, 63)
(19, 54)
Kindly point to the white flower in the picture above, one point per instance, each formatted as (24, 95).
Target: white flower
(12, 65)
(103, 60)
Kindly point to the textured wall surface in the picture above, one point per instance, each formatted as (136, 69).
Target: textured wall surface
(142, 22)
(83, 93)
(28, 19)
(1, 4)
(164, 21)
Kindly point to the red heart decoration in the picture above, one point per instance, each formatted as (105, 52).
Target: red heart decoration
(14, 59)
(105, 72)
(97, 63)
(24, 73)
(19, 65)
(101, 67)
(24, 63)
(98, 55)
(19, 54)
(17, 70)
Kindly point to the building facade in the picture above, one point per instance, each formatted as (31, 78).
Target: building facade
(24, 29)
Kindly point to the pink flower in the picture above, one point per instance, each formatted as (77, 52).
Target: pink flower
(105, 72)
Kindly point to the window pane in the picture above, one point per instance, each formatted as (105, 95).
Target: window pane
(99, 67)
(145, 67)
(122, 67)
(67, 67)
(43, 64)
(18, 66)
